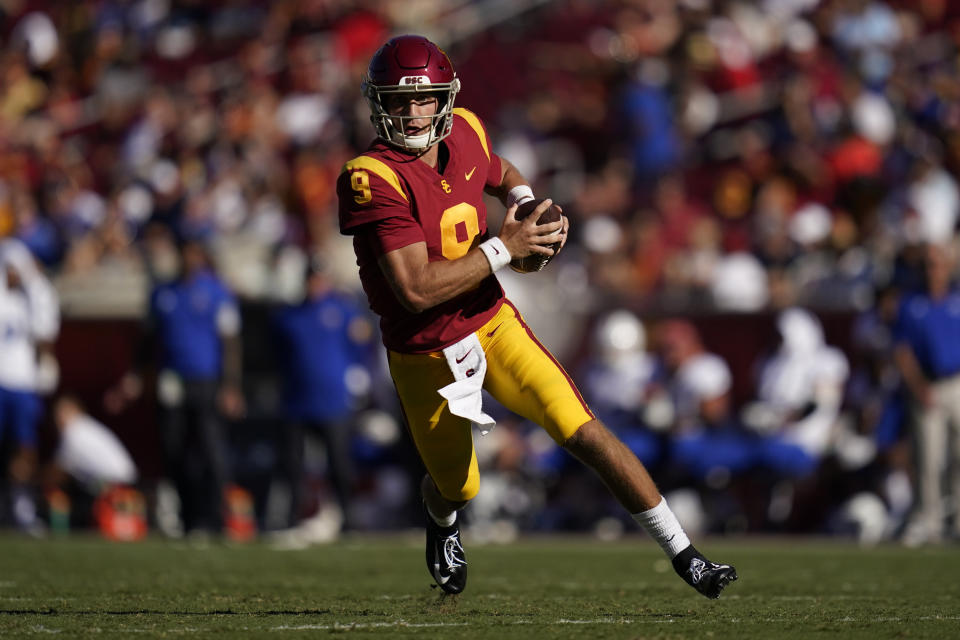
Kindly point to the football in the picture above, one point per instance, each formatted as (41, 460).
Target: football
(536, 261)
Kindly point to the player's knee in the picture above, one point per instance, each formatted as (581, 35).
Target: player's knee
(588, 437)
(459, 496)
(455, 493)
(591, 443)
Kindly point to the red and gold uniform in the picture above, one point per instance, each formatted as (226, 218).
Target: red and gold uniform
(406, 201)
(390, 199)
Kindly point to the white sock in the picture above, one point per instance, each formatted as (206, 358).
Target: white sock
(663, 527)
(443, 522)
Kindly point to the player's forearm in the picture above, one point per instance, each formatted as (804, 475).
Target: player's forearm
(436, 282)
(511, 178)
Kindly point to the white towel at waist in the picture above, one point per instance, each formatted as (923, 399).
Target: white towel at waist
(464, 396)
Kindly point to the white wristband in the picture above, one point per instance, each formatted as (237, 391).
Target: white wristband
(496, 252)
(519, 195)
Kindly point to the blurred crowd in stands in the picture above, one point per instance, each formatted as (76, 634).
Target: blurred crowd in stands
(759, 192)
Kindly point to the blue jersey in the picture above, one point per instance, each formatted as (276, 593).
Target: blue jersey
(190, 315)
(316, 353)
(932, 330)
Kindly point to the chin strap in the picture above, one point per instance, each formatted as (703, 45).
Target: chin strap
(411, 142)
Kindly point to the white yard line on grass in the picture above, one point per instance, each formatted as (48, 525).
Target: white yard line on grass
(359, 626)
(48, 630)
(603, 621)
(341, 626)
(162, 631)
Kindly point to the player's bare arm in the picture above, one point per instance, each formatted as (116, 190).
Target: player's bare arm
(420, 284)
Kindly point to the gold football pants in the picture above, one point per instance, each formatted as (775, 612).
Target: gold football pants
(521, 374)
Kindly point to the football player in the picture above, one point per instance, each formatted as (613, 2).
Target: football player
(29, 324)
(413, 202)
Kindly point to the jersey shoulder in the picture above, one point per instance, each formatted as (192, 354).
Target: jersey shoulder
(468, 124)
(370, 188)
(374, 172)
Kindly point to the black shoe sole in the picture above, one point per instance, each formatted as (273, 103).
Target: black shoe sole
(719, 584)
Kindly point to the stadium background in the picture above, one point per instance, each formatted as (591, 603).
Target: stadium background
(721, 161)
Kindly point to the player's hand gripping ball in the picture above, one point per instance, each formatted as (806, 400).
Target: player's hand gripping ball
(536, 261)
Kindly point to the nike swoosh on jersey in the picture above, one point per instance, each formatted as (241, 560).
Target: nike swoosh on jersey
(459, 360)
(490, 335)
(469, 175)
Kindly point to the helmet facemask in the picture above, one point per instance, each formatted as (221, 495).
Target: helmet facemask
(441, 123)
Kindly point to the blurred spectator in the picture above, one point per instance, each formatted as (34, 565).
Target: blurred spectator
(739, 283)
(29, 323)
(927, 353)
(800, 393)
(88, 451)
(876, 393)
(89, 460)
(801, 387)
(194, 325)
(324, 351)
(934, 201)
(709, 452)
(619, 378)
(713, 451)
(653, 143)
(870, 31)
(44, 308)
(876, 385)
(617, 382)
(690, 374)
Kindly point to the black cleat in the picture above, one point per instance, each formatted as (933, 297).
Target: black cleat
(446, 560)
(709, 578)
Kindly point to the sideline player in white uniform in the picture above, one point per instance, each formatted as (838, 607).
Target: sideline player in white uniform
(29, 323)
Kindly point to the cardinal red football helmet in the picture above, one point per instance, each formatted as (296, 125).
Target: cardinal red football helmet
(410, 64)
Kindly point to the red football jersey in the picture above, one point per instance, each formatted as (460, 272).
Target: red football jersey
(390, 199)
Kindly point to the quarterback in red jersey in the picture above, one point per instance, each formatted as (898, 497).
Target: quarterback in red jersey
(413, 202)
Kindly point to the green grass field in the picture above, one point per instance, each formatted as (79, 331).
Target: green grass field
(367, 587)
